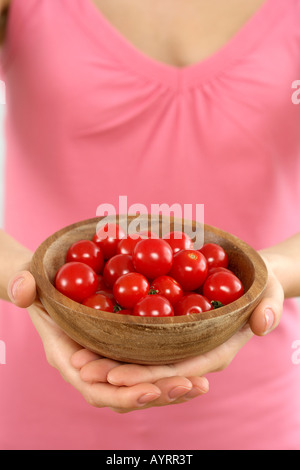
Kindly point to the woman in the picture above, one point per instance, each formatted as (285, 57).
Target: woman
(161, 101)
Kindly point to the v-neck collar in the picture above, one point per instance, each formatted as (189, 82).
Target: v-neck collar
(248, 36)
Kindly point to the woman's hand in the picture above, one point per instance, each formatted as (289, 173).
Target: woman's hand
(63, 354)
(126, 387)
(264, 319)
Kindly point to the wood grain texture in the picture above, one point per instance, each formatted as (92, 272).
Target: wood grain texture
(147, 340)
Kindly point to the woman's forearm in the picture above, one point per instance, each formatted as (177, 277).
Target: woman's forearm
(285, 261)
(13, 258)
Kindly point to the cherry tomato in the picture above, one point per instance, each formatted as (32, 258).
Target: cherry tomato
(189, 269)
(127, 245)
(215, 255)
(103, 289)
(192, 303)
(217, 269)
(168, 288)
(152, 257)
(99, 302)
(76, 280)
(179, 241)
(107, 292)
(86, 251)
(108, 237)
(153, 306)
(223, 287)
(129, 289)
(116, 267)
(101, 283)
(123, 311)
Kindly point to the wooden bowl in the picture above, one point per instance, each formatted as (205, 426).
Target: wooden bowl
(148, 340)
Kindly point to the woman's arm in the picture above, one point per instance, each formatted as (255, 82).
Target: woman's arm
(284, 259)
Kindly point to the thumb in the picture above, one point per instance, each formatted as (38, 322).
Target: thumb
(22, 289)
(267, 314)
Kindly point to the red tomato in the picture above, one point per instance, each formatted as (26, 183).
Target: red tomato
(223, 287)
(101, 283)
(153, 306)
(189, 269)
(192, 303)
(129, 289)
(103, 289)
(107, 292)
(108, 237)
(179, 241)
(86, 252)
(123, 311)
(216, 270)
(152, 257)
(215, 255)
(76, 280)
(167, 287)
(116, 267)
(99, 302)
(127, 245)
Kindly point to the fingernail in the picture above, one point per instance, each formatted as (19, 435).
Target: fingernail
(147, 398)
(195, 392)
(199, 390)
(177, 392)
(269, 319)
(15, 286)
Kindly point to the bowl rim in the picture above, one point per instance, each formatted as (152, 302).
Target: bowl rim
(45, 288)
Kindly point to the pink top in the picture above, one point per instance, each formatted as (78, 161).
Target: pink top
(90, 118)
